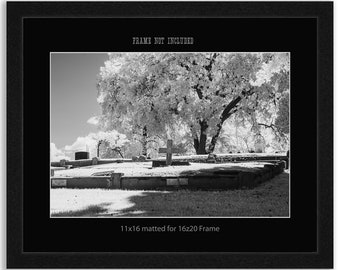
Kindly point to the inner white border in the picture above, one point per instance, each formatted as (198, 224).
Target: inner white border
(122, 217)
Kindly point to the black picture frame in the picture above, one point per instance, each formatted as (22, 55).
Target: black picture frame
(307, 241)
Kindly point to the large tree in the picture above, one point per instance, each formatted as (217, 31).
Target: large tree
(152, 94)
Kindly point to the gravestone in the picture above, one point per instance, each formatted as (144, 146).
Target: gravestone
(63, 162)
(81, 155)
(169, 150)
(211, 158)
(142, 158)
(259, 143)
(95, 161)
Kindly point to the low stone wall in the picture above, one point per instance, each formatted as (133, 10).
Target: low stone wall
(238, 158)
(221, 158)
(81, 182)
(213, 180)
(87, 162)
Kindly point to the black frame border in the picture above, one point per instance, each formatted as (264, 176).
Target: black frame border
(16, 11)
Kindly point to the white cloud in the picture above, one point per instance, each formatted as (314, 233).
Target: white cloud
(57, 154)
(87, 143)
(93, 120)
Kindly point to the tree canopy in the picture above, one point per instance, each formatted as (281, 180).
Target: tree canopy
(150, 95)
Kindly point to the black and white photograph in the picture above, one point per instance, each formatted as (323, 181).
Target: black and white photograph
(170, 134)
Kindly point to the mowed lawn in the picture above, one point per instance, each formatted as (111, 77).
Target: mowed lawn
(268, 199)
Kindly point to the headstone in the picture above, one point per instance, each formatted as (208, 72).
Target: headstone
(211, 158)
(59, 183)
(63, 162)
(81, 155)
(95, 161)
(142, 158)
(259, 143)
(169, 150)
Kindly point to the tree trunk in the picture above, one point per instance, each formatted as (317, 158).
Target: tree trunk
(214, 138)
(144, 141)
(227, 112)
(118, 150)
(201, 149)
(200, 143)
(196, 144)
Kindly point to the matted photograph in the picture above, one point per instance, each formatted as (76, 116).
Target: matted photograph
(169, 134)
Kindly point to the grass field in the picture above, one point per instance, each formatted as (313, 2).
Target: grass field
(268, 199)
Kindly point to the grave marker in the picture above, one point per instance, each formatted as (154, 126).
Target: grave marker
(211, 158)
(169, 150)
(81, 155)
(95, 161)
(259, 144)
(63, 162)
(177, 181)
(59, 183)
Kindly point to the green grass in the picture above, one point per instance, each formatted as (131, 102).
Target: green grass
(269, 199)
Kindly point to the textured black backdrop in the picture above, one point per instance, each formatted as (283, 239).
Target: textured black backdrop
(285, 242)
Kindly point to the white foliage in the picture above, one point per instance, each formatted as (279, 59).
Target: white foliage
(158, 91)
(90, 142)
(114, 138)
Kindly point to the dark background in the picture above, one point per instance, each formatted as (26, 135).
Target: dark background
(296, 236)
(272, 235)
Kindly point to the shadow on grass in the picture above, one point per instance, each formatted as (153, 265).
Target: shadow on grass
(268, 199)
(217, 170)
(92, 210)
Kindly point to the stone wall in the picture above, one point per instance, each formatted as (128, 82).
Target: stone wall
(206, 180)
(86, 162)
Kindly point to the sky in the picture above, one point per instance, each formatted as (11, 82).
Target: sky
(73, 96)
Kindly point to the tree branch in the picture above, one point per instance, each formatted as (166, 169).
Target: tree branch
(118, 150)
(277, 130)
(209, 66)
(227, 112)
(198, 90)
